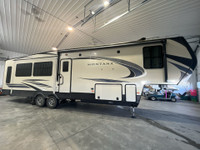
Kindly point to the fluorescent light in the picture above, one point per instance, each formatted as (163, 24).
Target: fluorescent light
(106, 3)
(114, 19)
(69, 28)
(125, 13)
(54, 48)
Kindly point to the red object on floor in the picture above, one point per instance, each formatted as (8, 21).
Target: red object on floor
(193, 92)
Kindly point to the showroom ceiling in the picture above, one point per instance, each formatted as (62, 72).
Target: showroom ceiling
(31, 26)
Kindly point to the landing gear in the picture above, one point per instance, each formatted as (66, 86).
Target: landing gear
(132, 110)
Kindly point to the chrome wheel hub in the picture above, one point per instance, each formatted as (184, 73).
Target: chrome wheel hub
(51, 102)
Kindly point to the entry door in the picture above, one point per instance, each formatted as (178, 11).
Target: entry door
(65, 76)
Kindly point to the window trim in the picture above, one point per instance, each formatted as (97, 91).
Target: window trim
(162, 57)
(43, 75)
(67, 66)
(10, 74)
(24, 75)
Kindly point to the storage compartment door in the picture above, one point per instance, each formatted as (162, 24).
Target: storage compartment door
(130, 92)
(108, 92)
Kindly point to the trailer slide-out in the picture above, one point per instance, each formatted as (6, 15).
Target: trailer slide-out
(109, 74)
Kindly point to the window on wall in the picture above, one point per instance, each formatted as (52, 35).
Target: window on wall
(8, 76)
(153, 57)
(23, 70)
(65, 66)
(42, 69)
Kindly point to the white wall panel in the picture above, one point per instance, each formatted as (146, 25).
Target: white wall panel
(2, 63)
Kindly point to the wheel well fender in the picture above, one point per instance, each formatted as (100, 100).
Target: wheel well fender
(39, 93)
(54, 96)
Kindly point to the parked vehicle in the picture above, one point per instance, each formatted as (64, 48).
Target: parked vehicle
(109, 74)
(168, 95)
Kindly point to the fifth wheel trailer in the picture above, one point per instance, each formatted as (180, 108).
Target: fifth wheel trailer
(109, 74)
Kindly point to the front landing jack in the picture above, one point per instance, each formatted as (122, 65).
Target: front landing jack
(132, 110)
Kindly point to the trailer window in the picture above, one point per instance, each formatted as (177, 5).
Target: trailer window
(8, 77)
(42, 69)
(23, 70)
(65, 66)
(153, 57)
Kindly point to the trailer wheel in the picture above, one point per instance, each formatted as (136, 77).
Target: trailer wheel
(153, 98)
(40, 100)
(52, 102)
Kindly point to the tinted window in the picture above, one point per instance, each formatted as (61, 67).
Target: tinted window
(65, 66)
(153, 57)
(42, 69)
(8, 77)
(23, 70)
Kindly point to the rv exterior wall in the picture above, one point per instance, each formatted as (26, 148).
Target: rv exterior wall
(113, 67)
(31, 82)
(6, 55)
(175, 49)
(109, 66)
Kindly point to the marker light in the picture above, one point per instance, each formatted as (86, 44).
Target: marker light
(106, 3)
(54, 48)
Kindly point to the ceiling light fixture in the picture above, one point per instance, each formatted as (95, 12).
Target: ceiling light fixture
(92, 12)
(106, 3)
(69, 28)
(54, 48)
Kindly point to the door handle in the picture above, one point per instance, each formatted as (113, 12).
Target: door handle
(61, 77)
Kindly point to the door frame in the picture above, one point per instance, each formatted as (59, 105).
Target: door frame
(70, 69)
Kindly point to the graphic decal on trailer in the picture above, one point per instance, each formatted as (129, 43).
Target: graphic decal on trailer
(17, 85)
(182, 60)
(103, 80)
(135, 70)
(191, 63)
(30, 83)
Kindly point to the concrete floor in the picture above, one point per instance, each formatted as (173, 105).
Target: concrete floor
(158, 125)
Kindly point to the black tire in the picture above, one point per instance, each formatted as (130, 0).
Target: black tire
(153, 98)
(32, 100)
(40, 100)
(173, 99)
(72, 100)
(52, 102)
